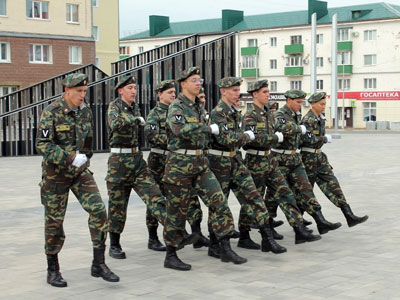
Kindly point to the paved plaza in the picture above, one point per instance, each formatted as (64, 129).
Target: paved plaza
(362, 262)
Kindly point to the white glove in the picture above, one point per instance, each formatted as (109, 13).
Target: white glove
(303, 129)
(80, 160)
(214, 129)
(142, 122)
(280, 136)
(329, 138)
(250, 134)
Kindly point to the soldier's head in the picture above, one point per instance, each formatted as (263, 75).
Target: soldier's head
(191, 82)
(230, 90)
(294, 99)
(126, 88)
(318, 102)
(260, 92)
(166, 91)
(202, 97)
(273, 106)
(75, 86)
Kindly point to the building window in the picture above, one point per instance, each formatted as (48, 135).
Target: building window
(75, 55)
(295, 39)
(369, 111)
(141, 49)
(295, 85)
(95, 33)
(95, 3)
(294, 61)
(5, 90)
(320, 61)
(249, 62)
(124, 50)
(343, 34)
(344, 58)
(3, 8)
(370, 60)
(320, 84)
(344, 84)
(273, 63)
(369, 35)
(273, 86)
(369, 83)
(37, 9)
(320, 38)
(72, 13)
(252, 43)
(5, 52)
(273, 42)
(39, 53)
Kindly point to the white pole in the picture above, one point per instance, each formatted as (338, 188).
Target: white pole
(334, 76)
(313, 53)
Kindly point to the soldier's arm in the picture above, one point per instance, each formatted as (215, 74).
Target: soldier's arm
(46, 145)
(152, 130)
(263, 138)
(87, 147)
(286, 127)
(180, 127)
(114, 118)
(310, 137)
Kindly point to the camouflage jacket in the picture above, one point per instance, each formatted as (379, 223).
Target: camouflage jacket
(62, 132)
(123, 124)
(155, 129)
(261, 122)
(288, 122)
(315, 136)
(229, 121)
(187, 128)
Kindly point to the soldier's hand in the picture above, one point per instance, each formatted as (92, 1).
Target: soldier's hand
(303, 129)
(280, 136)
(328, 138)
(214, 129)
(80, 160)
(250, 134)
(141, 121)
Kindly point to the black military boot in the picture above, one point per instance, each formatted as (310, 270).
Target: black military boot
(246, 242)
(154, 243)
(306, 222)
(268, 243)
(275, 234)
(277, 223)
(172, 261)
(53, 272)
(99, 267)
(202, 241)
(115, 247)
(214, 249)
(228, 255)
(352, 220)
(188, 239)
(302, 235)
(323, 225)
(235, 234)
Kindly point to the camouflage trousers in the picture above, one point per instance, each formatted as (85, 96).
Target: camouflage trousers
(182, 174)
(127, 172)
(54, 197)
(156, 164)
(292, 169)
(233, 175)
(265, 173)
(320, 171)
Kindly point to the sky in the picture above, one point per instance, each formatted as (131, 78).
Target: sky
(134, 14)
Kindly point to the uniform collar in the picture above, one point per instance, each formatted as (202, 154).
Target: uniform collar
(286, 109)
(66, 109)
(162, 105)
(126, 106)
(228, 109)
(187, 101)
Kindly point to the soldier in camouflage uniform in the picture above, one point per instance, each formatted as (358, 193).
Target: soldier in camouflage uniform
(263, 168)
(187, 168)
(64, 140)
(287, 121)
(156, 135)
(227, 164)
(316, 162)
(127, 169)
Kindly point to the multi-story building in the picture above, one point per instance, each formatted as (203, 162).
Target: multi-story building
(277, 47)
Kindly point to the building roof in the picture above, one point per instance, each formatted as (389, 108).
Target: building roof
(275, 20)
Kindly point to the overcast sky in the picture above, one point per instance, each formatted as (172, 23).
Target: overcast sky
(134, 14)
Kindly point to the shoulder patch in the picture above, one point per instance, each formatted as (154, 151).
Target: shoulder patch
(153, 127)
(282, 120)
(178, 117)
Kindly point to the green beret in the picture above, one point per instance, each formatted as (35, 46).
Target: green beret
(255, 86)
(76, 79)
(124, 80)
(201, 91)
(227, 82)
(189, 72)
(317, 97)
(165, 85)
(295, 94)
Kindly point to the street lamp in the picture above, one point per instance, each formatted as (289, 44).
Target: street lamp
(258, 50)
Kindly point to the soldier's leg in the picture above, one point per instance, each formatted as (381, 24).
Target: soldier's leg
(194, 218)
(86, 191)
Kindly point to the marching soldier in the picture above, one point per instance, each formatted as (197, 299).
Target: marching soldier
(64, 140)
(316, 162)
(227, 164)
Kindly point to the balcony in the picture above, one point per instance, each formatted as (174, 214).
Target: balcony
(294, 49)
(250, 72)
(348, 69)
(293, 71)
(345, 46)
(249, 50)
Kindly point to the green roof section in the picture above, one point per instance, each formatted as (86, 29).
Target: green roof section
(374, 11)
